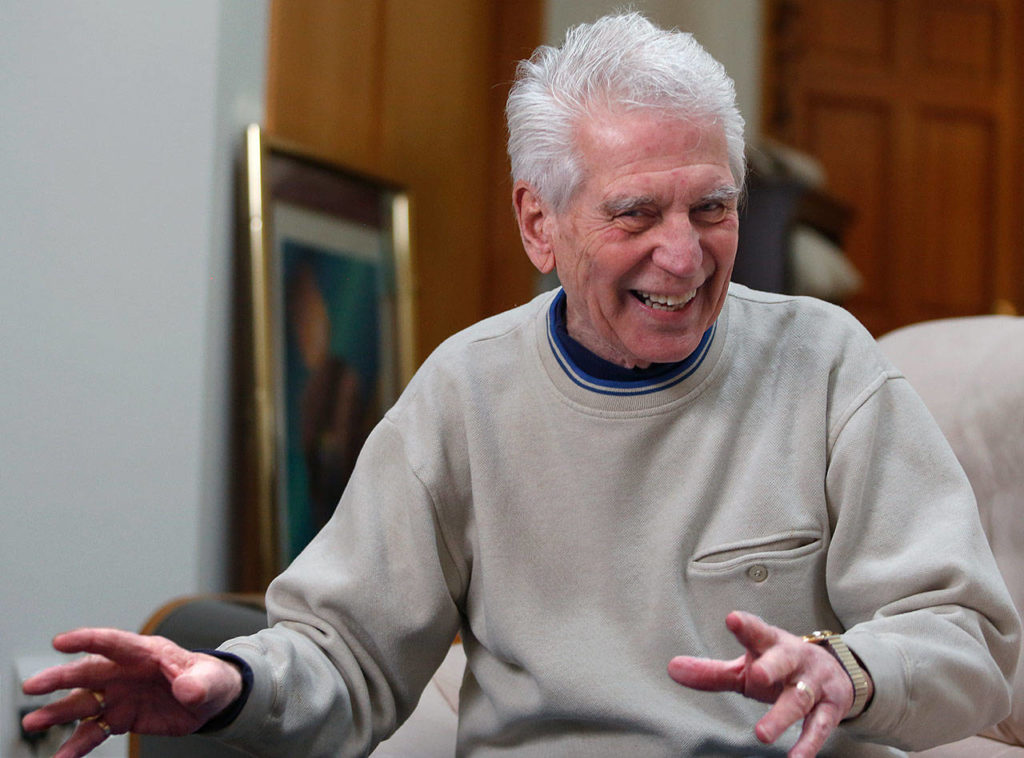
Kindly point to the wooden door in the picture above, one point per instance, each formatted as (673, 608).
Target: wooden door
(914, 108)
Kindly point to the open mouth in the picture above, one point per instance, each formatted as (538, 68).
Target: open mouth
(664, 302)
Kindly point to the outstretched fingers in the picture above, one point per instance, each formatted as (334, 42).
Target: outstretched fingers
(115, 644)
(86, 738)
(77, 705)
(802, 682)
(129, 682)
(817, 727)
(89, 673)
(775, 657)
(795, 702)
(708, 674)
(752, 631)
(111, 654)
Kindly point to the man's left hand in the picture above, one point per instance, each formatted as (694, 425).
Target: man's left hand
(801, 680)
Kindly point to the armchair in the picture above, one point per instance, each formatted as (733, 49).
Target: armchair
(970, 373)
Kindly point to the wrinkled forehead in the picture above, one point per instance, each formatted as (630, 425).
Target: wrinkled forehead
(612, 143)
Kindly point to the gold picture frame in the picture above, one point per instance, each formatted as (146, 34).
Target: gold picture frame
(330, 316)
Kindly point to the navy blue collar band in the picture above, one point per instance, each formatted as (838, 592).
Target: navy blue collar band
(595, 373)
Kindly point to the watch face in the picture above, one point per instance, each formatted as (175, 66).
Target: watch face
(819, 636)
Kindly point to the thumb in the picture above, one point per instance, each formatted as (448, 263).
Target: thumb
(208, 686)
(192, 691)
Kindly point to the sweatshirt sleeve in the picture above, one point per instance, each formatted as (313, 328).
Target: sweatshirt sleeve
(911, 576)
(360, 620)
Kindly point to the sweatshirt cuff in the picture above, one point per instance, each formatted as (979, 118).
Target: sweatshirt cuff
(890, 675)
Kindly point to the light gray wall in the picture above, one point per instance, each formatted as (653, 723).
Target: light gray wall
(731, 30)
(119, 121)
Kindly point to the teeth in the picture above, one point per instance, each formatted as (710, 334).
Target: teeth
(666, 302)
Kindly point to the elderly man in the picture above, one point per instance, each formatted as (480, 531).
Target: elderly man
(588, 486)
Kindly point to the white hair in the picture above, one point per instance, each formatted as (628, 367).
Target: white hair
(620, 62)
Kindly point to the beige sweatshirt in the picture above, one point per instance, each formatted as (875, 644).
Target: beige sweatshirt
(579, 534)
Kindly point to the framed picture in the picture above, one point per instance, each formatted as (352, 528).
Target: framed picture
(331, 332)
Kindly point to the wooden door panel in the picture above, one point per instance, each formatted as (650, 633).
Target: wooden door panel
(852, 138)
(959, 39)
(955, 206)
(858, 32)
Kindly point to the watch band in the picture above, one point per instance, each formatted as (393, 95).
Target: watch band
(837, 647)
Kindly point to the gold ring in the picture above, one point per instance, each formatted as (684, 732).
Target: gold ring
(805, 689)
(99, 699)
(107, 731)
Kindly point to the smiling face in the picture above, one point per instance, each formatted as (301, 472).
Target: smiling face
(646, 246)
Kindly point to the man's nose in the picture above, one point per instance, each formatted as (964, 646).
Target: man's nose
(678, 250)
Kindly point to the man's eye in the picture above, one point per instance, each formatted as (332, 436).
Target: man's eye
(710, 213)
(635, 219)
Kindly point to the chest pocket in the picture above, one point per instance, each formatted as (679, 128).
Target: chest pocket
(789, 545)
(780, 577)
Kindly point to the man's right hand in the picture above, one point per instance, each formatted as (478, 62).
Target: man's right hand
(129, 682)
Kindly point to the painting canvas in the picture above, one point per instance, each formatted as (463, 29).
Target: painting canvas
(333, 280)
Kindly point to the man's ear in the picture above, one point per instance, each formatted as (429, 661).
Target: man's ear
(535, 219)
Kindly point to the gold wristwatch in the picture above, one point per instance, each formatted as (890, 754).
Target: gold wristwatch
(835, 645)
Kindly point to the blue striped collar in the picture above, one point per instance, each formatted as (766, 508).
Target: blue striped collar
(604, 378)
